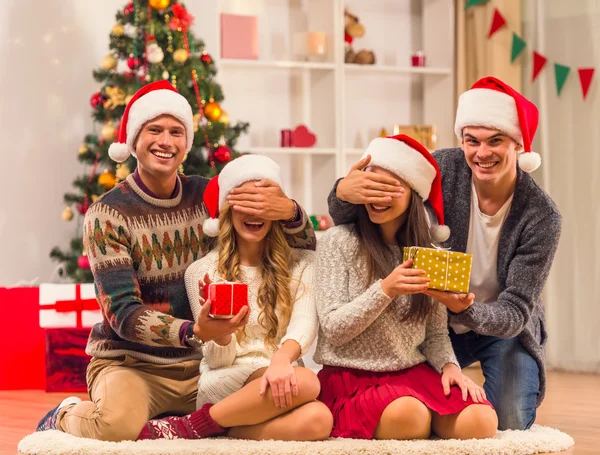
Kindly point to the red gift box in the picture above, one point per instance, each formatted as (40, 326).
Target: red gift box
(66, 360)
(227, 299)
(22, 359)
(68, 305)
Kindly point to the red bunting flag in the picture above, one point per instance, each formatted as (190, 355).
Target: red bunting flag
(497, 23)
(539, 61)
(585, 77)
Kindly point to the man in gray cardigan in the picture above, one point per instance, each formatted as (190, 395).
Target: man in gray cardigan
(496, 212)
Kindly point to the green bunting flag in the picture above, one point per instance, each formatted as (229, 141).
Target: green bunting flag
(518, 45)
(471, 3)
(561, 73)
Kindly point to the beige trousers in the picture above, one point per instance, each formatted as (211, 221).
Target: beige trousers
(125, 393)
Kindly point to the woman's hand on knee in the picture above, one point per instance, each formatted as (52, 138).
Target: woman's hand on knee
(281, 377)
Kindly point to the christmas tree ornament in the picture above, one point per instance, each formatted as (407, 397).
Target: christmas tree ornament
(82, 208)
(154, 53)
(128, 99)
(109, 62)
(117, 30)
(159, 4)
(96, 100)
(206, 58)
(83, 149)
(130, 30)
(134, 62)
(224, 118)
(165, 75)
(212, 111)
(95, 197)
(222, 154)
(180, 55)
(180, 169)
(109, 132)
(196, 121)
(148, 78)
(128, 8)
(67, 214)
(117, 97)
(83, 262)
(122, 172)
(107, 179)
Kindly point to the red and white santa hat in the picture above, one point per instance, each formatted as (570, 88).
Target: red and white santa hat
(493, 104)
(151, 101)
(411, 161)
(240, 170)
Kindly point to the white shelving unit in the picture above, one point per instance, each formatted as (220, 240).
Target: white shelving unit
(345, 105)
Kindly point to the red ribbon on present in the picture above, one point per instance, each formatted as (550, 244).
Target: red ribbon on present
(78, 305)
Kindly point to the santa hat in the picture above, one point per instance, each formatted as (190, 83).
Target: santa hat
(150, 101)
(241, 170)
(411, 161)
(493, 104)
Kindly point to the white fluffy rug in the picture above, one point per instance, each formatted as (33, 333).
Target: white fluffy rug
(537, 439)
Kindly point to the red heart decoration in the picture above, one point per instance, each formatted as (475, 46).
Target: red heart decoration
(303, 137)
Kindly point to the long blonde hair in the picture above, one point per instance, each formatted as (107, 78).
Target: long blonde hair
(275, 289)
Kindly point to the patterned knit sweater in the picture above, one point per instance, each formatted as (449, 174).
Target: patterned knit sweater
(225, 369)
(139, 248)
(360, 326)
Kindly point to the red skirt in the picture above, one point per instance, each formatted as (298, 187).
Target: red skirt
(357, 398)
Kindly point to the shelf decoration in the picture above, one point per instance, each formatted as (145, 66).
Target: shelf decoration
(239, 37)
(354, 29)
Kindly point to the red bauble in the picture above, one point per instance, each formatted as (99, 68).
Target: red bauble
(81, 208)
(83, 262)
(129, 76)
(96, 100)
(129, 8)
(134, 62)
(222, 154)
(206, 58)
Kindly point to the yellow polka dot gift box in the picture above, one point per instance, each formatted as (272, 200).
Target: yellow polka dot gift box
(448, 270)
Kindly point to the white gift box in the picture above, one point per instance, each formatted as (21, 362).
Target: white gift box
(68, 305)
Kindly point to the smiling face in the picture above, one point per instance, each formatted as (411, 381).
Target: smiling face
(247, 227)
(491, 154)
(161, 147)
(384, 213)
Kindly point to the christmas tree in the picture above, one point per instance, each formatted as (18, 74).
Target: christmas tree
(150, 41)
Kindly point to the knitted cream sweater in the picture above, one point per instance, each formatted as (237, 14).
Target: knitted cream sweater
(225, 369)
(360, 326)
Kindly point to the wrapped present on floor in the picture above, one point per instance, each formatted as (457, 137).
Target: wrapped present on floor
(68, 305)
(448, 270)
(227, 299)
(66, 360)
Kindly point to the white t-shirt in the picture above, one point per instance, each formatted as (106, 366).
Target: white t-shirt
(482, 243)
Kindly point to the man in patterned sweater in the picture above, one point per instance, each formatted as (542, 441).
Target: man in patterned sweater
(498, 213)
(140, 238)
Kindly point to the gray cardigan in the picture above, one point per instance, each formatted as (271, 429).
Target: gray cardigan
(528, 242)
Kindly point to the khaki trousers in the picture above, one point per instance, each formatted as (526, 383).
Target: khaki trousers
(125, 393)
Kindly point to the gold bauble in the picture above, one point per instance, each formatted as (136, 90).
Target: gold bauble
(109, 62)
(95, 197)
(109, 132)
(67, 214)
(180, 55)
(159, 4)
(83, 149)
(224, 118)
(118, 30)
(122, 172)
(212, 111)
(128, 99)
(107, 179)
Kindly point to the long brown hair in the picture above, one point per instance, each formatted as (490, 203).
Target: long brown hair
(275, 289)
(373, 248)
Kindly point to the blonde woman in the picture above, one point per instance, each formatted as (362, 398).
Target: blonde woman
(251, 384)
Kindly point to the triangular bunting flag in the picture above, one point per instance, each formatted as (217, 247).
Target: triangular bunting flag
(539, 61)
(471, 3)
(560, 72)
(518, 45)
(497, 23)
(585, 77)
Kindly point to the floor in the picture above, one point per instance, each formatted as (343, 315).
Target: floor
(572, 405)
